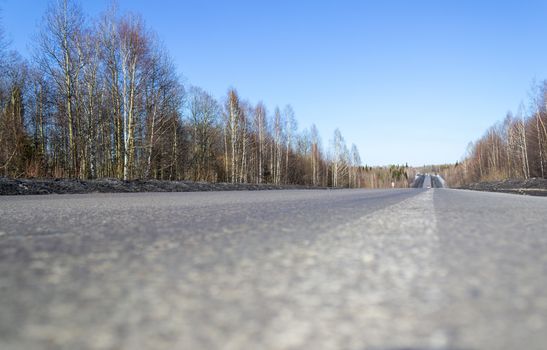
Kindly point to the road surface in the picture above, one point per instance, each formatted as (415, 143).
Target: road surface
(340, 269)
(429, 181)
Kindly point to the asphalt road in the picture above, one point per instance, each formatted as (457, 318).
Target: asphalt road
(343, 269)
(427, 181)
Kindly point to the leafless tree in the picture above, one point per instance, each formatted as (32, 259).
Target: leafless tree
(290, 131)
(203, 117)
(261, 128)
(101, 98)
(58, 58)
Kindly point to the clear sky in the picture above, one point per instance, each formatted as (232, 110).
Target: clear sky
(406, 81)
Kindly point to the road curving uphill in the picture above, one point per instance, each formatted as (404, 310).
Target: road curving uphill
(429, 181)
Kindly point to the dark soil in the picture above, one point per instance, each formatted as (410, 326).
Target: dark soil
(62, 186)
(532, 187)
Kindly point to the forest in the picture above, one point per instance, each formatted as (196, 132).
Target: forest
(101, 98)
(515, 148)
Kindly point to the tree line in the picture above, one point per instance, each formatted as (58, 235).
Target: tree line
(515, 148)
(100, 98)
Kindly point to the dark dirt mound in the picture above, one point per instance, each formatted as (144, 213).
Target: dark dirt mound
(533, 187)
(62, 186)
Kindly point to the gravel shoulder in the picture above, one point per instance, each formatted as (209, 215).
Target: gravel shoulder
(532, 187)
(71, 186)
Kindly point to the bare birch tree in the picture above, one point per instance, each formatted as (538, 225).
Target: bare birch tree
(57, 55)
(261, 128)
(133, 50)
(232, 117)
(290, 131)
(315, 155)
(338, 145)
(355, 166)
(203, 117)
(277, 146)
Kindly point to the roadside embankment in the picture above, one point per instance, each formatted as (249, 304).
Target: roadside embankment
(70, 186)
(532, 187)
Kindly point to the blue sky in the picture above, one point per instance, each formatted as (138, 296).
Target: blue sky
(406, 81)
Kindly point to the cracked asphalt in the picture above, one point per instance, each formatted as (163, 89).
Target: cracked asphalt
(291, 269)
